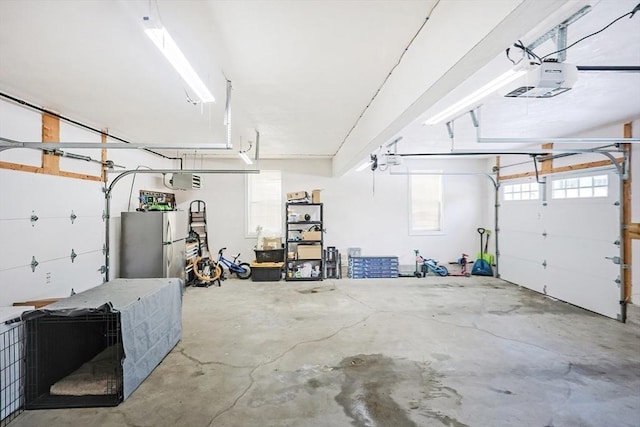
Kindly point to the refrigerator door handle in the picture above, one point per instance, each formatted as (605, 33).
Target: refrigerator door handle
(169, 241)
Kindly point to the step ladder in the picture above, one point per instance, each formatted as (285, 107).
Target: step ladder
(198, 226)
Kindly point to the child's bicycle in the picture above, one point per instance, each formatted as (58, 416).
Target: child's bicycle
(242, 269)
(430, 265)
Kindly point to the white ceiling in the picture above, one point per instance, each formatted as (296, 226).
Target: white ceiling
(303, 72)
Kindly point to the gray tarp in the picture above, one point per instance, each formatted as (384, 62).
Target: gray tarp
(150, 316)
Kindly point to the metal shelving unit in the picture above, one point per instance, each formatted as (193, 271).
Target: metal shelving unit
(304, 242)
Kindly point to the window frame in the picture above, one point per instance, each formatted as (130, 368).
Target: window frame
(578, 179)
(410, 202)
(248, 203)
(539, 190)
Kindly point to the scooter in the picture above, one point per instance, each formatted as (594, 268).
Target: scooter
(462, 262)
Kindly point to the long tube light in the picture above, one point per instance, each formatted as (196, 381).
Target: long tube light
(477, 95)
(244, 157)
(363, 166)
(171, 51)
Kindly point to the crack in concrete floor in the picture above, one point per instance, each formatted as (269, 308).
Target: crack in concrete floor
(183, 352)
(293, 347)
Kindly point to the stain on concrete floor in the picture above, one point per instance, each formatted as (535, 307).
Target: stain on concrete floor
(315, 290)
(369, 382)
(373, 390)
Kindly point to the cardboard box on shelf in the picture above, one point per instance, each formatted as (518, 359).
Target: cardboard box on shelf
(315, 196)
(312, 235)
(309, 252)
(272, 243)
(297, 195)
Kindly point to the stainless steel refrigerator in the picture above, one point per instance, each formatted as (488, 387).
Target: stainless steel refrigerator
(152, 244)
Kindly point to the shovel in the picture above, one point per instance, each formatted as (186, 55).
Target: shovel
(483, 254)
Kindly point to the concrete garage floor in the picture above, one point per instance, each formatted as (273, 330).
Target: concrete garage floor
(407, 352)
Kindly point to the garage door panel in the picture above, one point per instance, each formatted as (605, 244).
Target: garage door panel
(579, 236)
(51, 279)
(587, 255)
(513, 245)
(521, 263)
(581, 289)
(593, 221)
(523, 272)
(521, 217)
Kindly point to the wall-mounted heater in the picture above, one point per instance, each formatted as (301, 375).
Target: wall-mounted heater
(185, 181)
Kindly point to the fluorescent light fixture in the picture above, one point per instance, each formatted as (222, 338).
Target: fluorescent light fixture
(172, 52)
(474, 97)
(244, 157)
(363, 166)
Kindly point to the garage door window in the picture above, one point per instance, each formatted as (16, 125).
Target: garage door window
(582, 187)
(264, 203)
(527, 191)
(426, 204)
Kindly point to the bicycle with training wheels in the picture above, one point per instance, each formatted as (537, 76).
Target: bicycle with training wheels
(242, 269)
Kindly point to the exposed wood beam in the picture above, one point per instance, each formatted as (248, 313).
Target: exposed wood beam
(103, 157)
(547, 165)
(20, 167)
(50, 133)
(75, 175)
(569, 168)
(51, 162)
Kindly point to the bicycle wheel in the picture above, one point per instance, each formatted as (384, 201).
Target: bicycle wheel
(442, 270)
(244, 272)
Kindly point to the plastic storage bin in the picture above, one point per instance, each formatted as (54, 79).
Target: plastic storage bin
(269, 255)
(266, 272)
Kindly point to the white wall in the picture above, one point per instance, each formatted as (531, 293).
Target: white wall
(53, 236)
(358, 212)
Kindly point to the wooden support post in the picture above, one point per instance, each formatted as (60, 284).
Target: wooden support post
(50, 133)
(103, 157)
(51, 162)
(547, 165)
(626, 218)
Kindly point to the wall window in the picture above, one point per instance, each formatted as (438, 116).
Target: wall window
(527, 191)
(425, 210)
(264, 203)
(583, 187)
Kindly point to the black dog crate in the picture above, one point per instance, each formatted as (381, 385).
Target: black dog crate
(73, 359)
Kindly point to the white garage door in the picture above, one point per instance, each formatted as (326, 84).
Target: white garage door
(559, 238)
